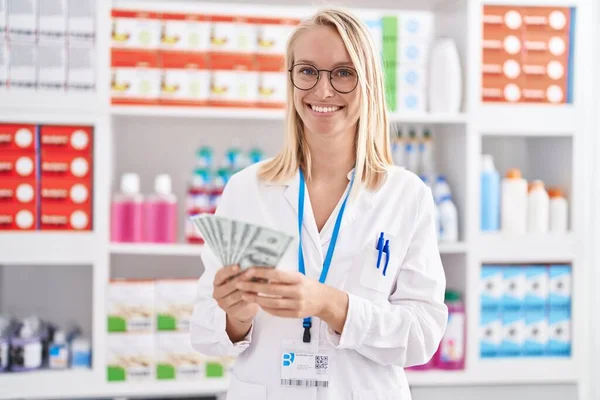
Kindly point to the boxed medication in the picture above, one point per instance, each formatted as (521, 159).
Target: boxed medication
(272, 37)
(536, 333)
(413, 52)
(66, 165)
(136, 77)
(233, 34)
(185, 79)
(18, 164)
(492, 288)
(272, 89)
(52, 66)
(81, 68)
(131, 357)
(22, 69)
(412, 100)
(560, 287)
(491, 334)
(16, 191)
(411, 78)
(71, 193)
(559, 343)
(538, 290)
(416, 24)
(513, 327)
(81, 21)
(185, 32)
(175, 303)
(234, 82)
(77, 139)
(22, 19)
(18, 217)
(18, 137)
(176, 359)
(52, 19)
(3, 17)
(4, 63)
(515, 287)
(131, 306)
(136, 29)
(64, 217)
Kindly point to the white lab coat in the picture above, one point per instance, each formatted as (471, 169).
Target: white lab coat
(392, 322)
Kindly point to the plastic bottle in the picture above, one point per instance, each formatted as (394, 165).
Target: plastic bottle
(448, 220)
(513, 213)
(451, 354)
(58, 355)
(538, 208)
(81, 350)
(412, 154)
(426, 165)
(127, 211)
(441, 189)
(445, 77)
(559, 211)
(490, 195)
(205, 157)
(398, 148)
(160, 212)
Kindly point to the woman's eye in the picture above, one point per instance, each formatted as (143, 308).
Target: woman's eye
(307, 71)
(344, 73)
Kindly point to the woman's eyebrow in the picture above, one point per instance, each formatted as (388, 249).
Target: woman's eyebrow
(344, 63)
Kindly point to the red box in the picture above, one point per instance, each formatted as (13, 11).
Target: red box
(17, 217)
(18, 137)
(65, 191)
(18, 191)
(66, 165)
(67, 138)
(18, 164)
(64, 217)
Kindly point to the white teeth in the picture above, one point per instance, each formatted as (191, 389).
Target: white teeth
(324, 109)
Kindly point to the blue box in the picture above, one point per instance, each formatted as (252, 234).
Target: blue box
(515, 287)
(490, 334)
(559, 342)
(537, 288)
(513, 329)
(536, 333)
(491, 288)
(560, 287)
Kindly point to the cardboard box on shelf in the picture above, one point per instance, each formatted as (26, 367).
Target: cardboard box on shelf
(131, 357)
(4, 63)
(22, 67)
(272, 89)
(74, 194)
(52, 66)
(175, 303)
(491, 334)
(500, 89)
(22, 19)
(509, 18)
(136, 77)
(18, 164)
(3, 16)
(131, 306)
(234, 81)
(18, 217)
(132, 29)
(272, 36)
(495, 64)
(185, 79)
(185, 32)
(416, 25)
(81, 70)
(18, 192)
(64, 217)
(176, 359)
(81, 22)
(52, 20)
(547, 19)
(77, 139)
(18, 137)
(411, 100)
(536, 333)
(543, 91)
(559, 342)
(233, 34)
(64, 164)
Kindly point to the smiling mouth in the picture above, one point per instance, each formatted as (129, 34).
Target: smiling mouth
(323, 109)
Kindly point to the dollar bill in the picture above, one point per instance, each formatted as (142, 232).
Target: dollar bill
(265, 248)
(223, 227)
(200, 221)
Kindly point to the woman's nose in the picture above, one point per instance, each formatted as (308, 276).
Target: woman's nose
(323, 89)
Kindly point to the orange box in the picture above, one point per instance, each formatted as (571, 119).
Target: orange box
(67, 138)
(543, 91)
(64, 217)
(496, 64)
(547, 19)
(18, 217)
(501, 89)
(18, 164)
(18, 191)
(503, 17)
(18, 137)
(72, 192)
(185, 79)
(135, 77)
(546, 47)
(66, 165)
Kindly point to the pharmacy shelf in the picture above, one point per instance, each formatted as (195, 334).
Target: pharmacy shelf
(540, 248)
(198, 388)
(48, 248)
(527, 120)
(264, 114)
(50, 102)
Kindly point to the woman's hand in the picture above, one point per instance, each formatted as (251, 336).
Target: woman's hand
(293, 295)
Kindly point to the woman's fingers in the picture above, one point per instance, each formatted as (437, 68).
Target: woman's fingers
(225, 273)
(270, 302)
(273, 289)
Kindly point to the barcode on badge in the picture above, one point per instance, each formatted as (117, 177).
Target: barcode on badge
(304, 383)
(321, 362)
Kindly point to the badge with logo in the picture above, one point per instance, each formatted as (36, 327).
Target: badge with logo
(304, 368)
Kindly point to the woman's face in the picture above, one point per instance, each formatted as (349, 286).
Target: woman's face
(323, 110)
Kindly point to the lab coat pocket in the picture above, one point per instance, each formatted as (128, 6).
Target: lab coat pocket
(239, 390)
(373, 276)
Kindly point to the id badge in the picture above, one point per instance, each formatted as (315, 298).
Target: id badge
(301, 367)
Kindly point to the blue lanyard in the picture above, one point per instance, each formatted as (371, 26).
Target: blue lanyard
(307, 322)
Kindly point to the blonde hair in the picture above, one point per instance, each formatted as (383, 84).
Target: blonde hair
(372, 144)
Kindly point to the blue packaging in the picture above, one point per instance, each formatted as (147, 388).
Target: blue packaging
(515, 287)
(560, 287)
(490, 336)
(537, 288)
(559, 326)
(491, 288)
(513, 329)
(490, 195)
(536, 333)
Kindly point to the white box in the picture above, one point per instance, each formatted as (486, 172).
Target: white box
(234, 87)
(52, 18)
(3, 16)
(411, 100)
(410, 77)
(234, 35)
(135, 77)
(81, 69)
(175, 304)
(272, 88)
(184, 34)
(176, 359)
(52, 66)
(135, 30)
(81, 21)
(272, 38)
(413, 52)
(131, 357)
(416, 24)
(131, 306)
(22, 66)
(4, 54)
(22, 19)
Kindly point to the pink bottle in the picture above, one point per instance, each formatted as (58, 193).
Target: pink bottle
(160, 213)
(127, 211)
(451, 354)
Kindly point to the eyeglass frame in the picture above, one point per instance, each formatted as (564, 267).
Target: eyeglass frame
(319, 77)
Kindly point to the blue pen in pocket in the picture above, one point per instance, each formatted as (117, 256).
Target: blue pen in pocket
(386, 250)
(379, 248)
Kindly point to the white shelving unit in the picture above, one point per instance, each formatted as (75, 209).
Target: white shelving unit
(133, 138)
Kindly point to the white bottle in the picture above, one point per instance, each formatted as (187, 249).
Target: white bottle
(513, 213)
(426, 166)
(441, 189)
(448, 220)
(559, 211)
(445, 79)
(538, 208)
(58, 357)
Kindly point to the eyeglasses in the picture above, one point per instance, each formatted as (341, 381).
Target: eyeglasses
(305, 77)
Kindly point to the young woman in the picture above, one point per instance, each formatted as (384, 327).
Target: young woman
(360, 294)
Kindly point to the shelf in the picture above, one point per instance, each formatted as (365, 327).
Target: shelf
(49, 248)
(179, 388)
(68, 103)
(156, 249)
(263, 114)
(502, 248)
(527, 120)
